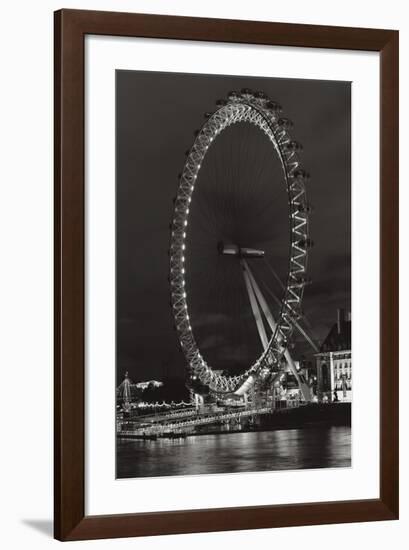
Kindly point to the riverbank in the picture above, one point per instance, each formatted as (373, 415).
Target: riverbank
(325, 414)
(305, 416)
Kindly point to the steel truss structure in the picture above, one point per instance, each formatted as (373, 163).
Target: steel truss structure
(256, 109)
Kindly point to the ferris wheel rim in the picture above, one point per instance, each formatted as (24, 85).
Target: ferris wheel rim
(263, 114)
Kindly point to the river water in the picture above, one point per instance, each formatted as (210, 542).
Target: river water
(315, 447)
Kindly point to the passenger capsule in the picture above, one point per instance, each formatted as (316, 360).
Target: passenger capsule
(221, 102)
(246, 92)
(294, 146)
(305, 208)
(285, 122)
(233, 95)
(260, 95)
(301, 173)
(303, 279)
(273, 106)
(305, 243)
(208, 114)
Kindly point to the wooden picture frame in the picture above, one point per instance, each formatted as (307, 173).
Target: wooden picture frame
(71, 27)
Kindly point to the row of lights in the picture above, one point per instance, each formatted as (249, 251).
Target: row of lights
(291, 145)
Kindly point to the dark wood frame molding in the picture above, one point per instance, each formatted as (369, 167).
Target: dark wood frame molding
(71, 27)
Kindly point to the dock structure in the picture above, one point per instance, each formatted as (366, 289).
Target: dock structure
(182, 425)
(184, 422)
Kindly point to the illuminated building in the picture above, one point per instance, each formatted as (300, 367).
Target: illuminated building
(334, 363)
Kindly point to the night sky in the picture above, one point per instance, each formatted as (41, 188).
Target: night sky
(157, 114)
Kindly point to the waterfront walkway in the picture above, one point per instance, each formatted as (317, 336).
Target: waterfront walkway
(183, 422)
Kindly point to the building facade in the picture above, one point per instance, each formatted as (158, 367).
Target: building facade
(334, 362)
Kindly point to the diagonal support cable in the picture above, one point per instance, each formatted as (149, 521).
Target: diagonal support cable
(273, 325)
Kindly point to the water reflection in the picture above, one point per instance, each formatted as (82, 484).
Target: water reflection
(238, 452)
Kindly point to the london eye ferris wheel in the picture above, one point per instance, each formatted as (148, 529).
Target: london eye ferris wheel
(239, 245)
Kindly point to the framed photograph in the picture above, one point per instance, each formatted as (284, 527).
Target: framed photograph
(226, 274)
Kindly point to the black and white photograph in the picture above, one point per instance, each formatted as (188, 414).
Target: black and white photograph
(201, 272)
(233, 274)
